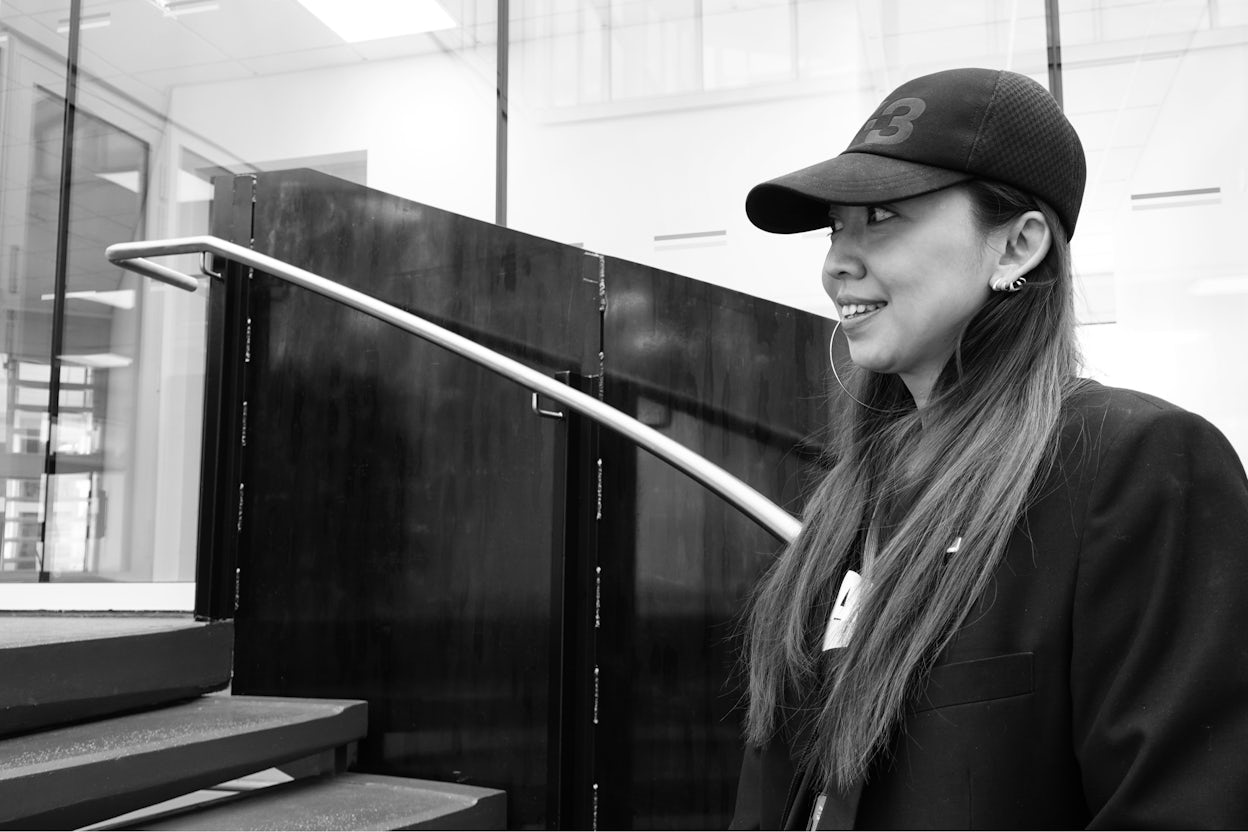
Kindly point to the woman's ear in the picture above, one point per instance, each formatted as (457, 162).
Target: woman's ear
(1027, 241)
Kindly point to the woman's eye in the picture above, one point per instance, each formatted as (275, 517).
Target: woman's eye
(834, 226)
(878, 213)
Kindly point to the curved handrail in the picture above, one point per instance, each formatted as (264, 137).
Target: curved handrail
(133, 256)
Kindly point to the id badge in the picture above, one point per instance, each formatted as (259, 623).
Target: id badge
(841, 621)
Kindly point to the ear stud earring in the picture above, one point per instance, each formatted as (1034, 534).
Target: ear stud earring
(1004, 285)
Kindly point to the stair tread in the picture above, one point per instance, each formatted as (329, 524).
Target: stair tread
(74, 775)
(27, 630)
(349, 802)
(60, 669)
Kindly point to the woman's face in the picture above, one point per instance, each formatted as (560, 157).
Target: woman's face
(907, 277)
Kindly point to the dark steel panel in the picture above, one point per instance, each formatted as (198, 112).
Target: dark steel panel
(743, 382)
(397, 541)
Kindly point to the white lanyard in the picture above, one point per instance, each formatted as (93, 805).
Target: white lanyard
(817, 811)
(841, 620)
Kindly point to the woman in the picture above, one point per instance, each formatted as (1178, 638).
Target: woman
(1019, 599)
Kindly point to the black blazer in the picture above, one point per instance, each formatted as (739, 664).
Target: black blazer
(1102, 680)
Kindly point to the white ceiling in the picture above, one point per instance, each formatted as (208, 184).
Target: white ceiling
(145, 51)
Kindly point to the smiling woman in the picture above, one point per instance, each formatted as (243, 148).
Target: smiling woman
(1015, 590)
(908, 278)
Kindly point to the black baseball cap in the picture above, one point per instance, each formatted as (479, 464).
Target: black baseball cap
(933, 132)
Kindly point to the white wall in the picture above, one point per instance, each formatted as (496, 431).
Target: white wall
(1181, 272)
(426, 123)
(614, 184)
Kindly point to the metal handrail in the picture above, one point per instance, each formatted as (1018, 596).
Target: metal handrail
(132, 256)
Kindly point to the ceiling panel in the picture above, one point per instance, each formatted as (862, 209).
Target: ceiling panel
(166, 79)
(34, 6)
(299, 60)
(261, 27)
(406, 46)
(140, 38)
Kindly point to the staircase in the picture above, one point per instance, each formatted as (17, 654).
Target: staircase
(123, 721)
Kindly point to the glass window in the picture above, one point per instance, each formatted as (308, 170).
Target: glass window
(826, 33)
(573, 67)
(1159, 101)
(654, 48)
(32, 89)
(746, 42)
(739, 91)
(98, 354)
(636, 127)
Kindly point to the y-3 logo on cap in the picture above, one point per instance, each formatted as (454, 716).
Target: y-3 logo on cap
(895, 122)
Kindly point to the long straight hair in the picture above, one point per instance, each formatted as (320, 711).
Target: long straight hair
(966, 471)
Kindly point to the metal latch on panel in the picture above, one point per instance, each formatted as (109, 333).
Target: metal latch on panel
(543, 412)
(205, 268)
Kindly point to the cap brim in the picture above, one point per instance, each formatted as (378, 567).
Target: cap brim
(799, 201)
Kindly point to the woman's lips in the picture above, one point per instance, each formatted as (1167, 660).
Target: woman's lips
(856, 313)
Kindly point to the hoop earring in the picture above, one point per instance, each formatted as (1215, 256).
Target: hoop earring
(837, 376)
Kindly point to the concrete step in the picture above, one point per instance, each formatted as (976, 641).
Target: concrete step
(348, 802)
(76, 775)
(68, 668)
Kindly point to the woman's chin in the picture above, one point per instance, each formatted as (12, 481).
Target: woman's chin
(868, 360)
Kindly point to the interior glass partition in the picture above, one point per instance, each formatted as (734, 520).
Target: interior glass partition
(166, 96)
(90, 484)
(672, 110)
(32, 90)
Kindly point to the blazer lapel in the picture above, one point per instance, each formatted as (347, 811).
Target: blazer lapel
(797, 805)
(840, 809)
(797, 802)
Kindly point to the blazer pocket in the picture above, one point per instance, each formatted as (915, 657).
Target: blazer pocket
(978, 680)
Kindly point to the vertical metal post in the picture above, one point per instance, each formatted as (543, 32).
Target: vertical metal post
(60, 279)
(1053, 37)
(225, 391)
(500, 143)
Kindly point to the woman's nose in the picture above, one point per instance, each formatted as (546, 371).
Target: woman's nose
(843, 262)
